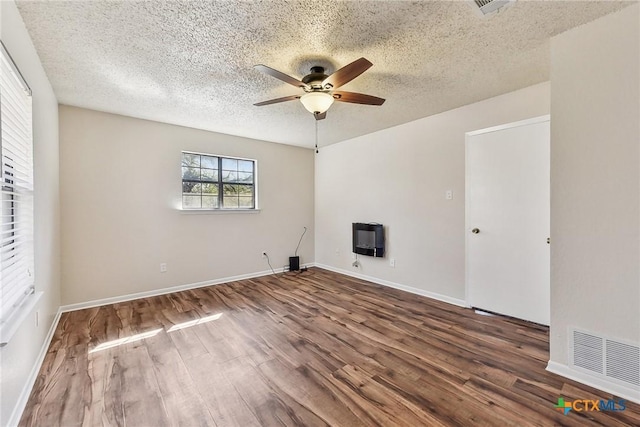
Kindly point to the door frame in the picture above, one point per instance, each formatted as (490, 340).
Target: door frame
(467, 226)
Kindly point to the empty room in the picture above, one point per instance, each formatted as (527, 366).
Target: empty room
(320, 213)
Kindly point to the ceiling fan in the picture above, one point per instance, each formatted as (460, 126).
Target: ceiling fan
(320, 88)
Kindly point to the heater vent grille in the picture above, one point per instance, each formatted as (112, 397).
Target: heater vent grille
(606, 357)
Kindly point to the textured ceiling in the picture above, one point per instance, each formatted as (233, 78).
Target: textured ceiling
(191, 62)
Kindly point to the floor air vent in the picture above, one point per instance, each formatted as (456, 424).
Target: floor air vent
(606, 357)
(486, 7)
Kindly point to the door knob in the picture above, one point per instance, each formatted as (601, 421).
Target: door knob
(475, 230)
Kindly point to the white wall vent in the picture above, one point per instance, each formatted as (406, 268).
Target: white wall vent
(487, 7)
(588, 352)
(606, 357)
(623, 362)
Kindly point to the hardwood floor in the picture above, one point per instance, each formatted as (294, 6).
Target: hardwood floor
(313, 349)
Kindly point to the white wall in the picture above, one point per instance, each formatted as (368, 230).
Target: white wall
(595, 210)
(19, 356)
(398, 177)
(121, 192)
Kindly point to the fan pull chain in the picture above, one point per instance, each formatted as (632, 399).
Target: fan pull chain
(316, 136)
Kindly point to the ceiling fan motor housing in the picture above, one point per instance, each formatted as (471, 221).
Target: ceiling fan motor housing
(315, 78)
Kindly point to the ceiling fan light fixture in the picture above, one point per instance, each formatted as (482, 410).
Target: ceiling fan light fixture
(316, 102)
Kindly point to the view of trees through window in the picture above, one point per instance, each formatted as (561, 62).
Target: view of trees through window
(215, 182)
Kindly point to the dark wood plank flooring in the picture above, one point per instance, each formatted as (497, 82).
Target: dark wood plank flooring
(302, 349)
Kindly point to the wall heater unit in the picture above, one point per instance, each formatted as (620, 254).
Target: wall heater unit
(368, 239)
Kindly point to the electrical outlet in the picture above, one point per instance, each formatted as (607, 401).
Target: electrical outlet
(392, 262)
(163, 267)
(264, 254)
(337, 251)
(448, 195)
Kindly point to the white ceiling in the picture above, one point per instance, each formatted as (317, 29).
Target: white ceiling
(191, 62)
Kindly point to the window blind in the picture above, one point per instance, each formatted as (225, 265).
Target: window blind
(16, 209)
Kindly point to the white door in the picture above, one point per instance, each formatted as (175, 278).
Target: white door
(508, 216)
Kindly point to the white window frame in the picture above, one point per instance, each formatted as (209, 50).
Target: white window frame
(219, 183)
(17, 284)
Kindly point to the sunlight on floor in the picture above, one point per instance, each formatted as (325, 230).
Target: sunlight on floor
(127, 340)
(194, 322)
(138, 337)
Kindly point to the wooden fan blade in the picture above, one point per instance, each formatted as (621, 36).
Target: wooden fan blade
(280, 76)
(276, 100)
(320, 116)
(357, 98)
(347, 73)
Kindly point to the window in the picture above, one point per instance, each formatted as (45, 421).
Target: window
(216, 182)
(16, 219)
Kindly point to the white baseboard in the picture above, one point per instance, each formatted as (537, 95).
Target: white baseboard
(16, 414)
(412, 290)
(603, 384)
(163, 291)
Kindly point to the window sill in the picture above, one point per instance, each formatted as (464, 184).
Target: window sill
(218, 211)
(17, 319)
